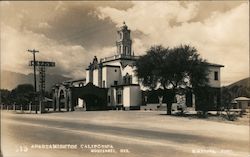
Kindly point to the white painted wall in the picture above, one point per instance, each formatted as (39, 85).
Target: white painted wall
(114, 102)
(115, 62)
(131, 71)
(96, 77)
(104, 77)
(118, 62)
(131, 96)
(135, 96)
(134, 77)
(111, 74)
(126, 96)
(80, 102)
(212, 82)
(89, 76)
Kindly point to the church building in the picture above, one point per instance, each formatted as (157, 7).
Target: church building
(117, 73)
(111, 83)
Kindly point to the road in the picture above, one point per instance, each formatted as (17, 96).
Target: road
(110, 134)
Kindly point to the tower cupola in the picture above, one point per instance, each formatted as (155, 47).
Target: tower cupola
(124, 42)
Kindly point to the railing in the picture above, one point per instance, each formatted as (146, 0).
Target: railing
(117, 57)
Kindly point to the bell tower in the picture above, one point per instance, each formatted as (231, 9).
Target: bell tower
(124, 41)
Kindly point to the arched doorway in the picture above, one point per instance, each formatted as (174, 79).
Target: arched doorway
(67, 103)
(92, 102)
(62, 100)
(91, 96)
(54, 102)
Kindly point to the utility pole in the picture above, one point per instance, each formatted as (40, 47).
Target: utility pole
(34, 66)
(42, 65)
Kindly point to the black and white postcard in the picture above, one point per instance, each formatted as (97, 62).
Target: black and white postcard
(125, 79)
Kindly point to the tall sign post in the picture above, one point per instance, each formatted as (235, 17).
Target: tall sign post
(42, 67)
(34, 67)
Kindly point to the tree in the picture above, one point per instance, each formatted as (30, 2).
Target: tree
(173, 70)
(22, 94)
(227, 98)
(5, 96)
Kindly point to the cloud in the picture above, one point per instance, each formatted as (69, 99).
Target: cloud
(4, 3)
(143, 14)
(60, 6)
(220, 38)
(44, 25)
(71, 33)
(70, 59)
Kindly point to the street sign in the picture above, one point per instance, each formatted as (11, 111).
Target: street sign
(42, 66)
(42, 63)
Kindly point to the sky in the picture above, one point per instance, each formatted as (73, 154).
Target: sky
(72, 33)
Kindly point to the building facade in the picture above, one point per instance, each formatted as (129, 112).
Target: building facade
(242, 103)
(117, 74)
(111, 83)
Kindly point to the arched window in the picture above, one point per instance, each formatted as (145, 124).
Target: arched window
(126, 50)
(124, 79)
(127, 79)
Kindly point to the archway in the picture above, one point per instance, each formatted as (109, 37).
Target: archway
(93, 97)
(92, 102)
(62, 100)
(67, 103)
(54, 102)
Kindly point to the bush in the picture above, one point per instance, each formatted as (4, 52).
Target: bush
(232, 116)
(202, 114)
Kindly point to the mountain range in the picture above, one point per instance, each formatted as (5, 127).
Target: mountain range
(239, 88)
(244, 82)
(10, 80)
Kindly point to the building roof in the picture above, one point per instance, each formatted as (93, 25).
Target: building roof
(77, 80)
(112, 66)
(123, 85)
(242, 99)
(48, 99)
(215, 65)
(233, 102)
(118, 57)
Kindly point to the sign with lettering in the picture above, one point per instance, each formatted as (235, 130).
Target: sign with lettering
(43, 63)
